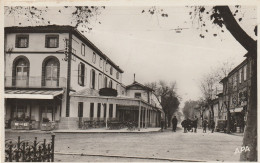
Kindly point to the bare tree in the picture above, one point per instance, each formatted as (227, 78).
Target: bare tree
(167, 97)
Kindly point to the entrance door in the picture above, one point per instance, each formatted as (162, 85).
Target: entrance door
(51, 73)
(21, 75)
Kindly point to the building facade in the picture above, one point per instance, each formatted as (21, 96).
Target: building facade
(236, 87)
(54, 73)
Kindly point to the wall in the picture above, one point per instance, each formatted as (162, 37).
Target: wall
(131, 93)
(36, 44)
(88, 57)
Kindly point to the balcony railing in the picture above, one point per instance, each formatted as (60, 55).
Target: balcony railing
(34, 82)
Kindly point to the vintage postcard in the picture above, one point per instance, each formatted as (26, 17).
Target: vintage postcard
(129, 81)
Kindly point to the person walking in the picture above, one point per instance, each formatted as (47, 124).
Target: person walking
(162, 124)
(212, 125)
(184, 125)
(232, 125)
(189, 125)
(195, 124)
(204, 125)
(174, 123)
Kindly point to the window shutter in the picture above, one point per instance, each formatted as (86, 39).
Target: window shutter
(90, 83)
(16, 41)
(83, 74)
(46, 41)
(27, 43)
(58, 41)
(79, 73)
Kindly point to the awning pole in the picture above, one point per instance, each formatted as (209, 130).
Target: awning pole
(139, 115)
(145, 118)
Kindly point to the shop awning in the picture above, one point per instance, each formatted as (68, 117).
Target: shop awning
(236, 110)
(32, 94)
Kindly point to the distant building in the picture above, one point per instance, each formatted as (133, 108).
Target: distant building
(55, 73)
(236, 87)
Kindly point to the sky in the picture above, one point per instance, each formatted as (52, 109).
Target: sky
(149, 46)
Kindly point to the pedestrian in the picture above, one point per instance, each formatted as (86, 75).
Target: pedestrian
(184, 125)
(212, 125)
(174, 123)
(232, 124)
(195, 124)
(189, 125)
(242, 125)
(204, 125)
(162, 124)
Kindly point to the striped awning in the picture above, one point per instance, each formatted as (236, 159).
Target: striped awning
(32, 94)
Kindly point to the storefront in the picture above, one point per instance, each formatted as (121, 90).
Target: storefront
(28, 109)
(238, 119)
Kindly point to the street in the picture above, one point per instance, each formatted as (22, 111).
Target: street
(156, 146)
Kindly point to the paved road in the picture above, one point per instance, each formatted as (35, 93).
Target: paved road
(165, 145)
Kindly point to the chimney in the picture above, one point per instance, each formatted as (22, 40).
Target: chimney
(134, 77)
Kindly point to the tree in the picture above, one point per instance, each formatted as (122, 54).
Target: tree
(210, 87)
(81, 15)
(188, 109)
(222, 16)
(201, 108)
(167, 97)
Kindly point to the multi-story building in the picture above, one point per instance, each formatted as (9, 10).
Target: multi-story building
(56, 73)
(236, 87)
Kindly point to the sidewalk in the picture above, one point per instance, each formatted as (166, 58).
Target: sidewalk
(104, 130)
(93, 130)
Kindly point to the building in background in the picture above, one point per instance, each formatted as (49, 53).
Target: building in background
(236, 88)
(54, 73)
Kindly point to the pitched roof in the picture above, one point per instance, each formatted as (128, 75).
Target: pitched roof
(135, 83)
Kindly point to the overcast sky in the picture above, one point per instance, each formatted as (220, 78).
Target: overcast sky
(150, 47)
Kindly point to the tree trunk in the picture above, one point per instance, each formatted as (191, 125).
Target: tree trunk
(228, 119)
(165, 123)
(234, 28)
(250, 135)
(169, 120)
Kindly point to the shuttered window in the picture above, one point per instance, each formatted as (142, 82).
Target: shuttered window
(99, 110)
(110, 110)
(81, 74)
(91, 110)
(80, 109)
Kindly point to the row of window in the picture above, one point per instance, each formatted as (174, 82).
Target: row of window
(51, 41)
(82, 78)
(50, 71)
(242, 73)
(91, 111)
(94, 58)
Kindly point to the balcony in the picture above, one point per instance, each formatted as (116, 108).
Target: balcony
(34, 82)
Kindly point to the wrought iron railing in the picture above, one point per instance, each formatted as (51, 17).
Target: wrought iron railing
(34, 82)
(29, 151)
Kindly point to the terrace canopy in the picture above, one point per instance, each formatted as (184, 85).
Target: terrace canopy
(132, 109)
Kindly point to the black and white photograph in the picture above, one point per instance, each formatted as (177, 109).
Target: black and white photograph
(107, 81)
